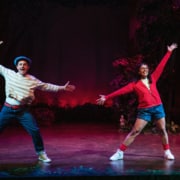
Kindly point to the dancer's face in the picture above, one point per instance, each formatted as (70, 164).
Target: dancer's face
(22, 67)
(144, 70)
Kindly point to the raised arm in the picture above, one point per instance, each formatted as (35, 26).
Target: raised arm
(159, 69)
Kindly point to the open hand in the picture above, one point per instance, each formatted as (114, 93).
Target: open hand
(172, 47)
(69, 87)
(101, 100)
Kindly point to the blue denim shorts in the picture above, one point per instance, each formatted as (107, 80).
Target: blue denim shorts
(155, 113)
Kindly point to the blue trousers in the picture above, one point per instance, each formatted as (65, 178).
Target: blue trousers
(26, 119)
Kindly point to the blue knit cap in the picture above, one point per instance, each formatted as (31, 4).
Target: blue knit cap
(22, 58)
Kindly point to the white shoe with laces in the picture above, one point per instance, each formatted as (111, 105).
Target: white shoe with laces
(168, 155)
(117, 156)
(44, 158)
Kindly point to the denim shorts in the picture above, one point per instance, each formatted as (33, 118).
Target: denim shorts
(152, 113)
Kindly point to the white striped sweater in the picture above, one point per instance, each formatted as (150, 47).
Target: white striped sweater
(22, 88)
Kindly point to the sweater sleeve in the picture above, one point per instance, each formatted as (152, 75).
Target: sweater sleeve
(49, 87)
(4, 70)
(124, 90)
(159, 69)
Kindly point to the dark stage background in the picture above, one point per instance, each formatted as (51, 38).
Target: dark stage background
(69, 41)
(79, 41)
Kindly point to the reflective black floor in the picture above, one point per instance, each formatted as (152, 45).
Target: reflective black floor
(83, 150)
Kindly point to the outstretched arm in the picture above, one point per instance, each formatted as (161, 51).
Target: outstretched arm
(53, 87)
(124, 90)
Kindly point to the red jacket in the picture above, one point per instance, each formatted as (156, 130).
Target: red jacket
(146, 97)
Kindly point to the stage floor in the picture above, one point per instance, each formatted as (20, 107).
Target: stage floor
(83, 150)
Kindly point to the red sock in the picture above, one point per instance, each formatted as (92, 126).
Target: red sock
(122, 147)
(165, 146)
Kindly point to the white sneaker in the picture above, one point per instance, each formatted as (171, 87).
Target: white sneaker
(117, 156)
(168, 155)
(44, 158)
